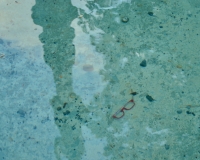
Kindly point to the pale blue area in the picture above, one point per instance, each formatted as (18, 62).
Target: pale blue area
(27, 124)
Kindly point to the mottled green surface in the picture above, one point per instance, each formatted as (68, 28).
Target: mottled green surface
(167, 128)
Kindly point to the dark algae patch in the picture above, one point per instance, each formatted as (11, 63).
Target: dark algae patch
(150, 99)
(143, 63)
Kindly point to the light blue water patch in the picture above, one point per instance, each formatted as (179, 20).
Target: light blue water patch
(27, 124)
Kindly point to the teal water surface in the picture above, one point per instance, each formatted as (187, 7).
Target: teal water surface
(95, 58)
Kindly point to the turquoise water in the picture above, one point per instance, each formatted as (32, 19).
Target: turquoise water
(67, 67)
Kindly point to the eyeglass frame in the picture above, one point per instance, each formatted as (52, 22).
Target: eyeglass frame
(124, 108)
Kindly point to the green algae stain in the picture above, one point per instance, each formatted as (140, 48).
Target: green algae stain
(55, 18)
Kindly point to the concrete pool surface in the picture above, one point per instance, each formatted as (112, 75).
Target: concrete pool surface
(68, 66)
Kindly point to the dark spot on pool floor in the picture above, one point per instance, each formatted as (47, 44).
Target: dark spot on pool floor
(150, 98)
(143, 63)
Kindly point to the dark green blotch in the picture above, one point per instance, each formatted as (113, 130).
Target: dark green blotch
(149, 98)
(179, 111)
(188, 112)
(64, 105)
(73, 127)
(143, 63)
(134, 93)
(66, 112)
(21, 112)
(150, 13)
(166, 146)
(59, 108)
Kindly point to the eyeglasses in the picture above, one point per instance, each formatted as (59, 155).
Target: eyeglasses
(120, 113)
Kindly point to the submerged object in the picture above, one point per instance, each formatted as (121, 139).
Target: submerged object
(150, 13)
(125, 19)
(133, 93)
(150, 98)
(143, 63)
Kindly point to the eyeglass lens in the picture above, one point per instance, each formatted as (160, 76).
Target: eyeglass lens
(120, 113)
